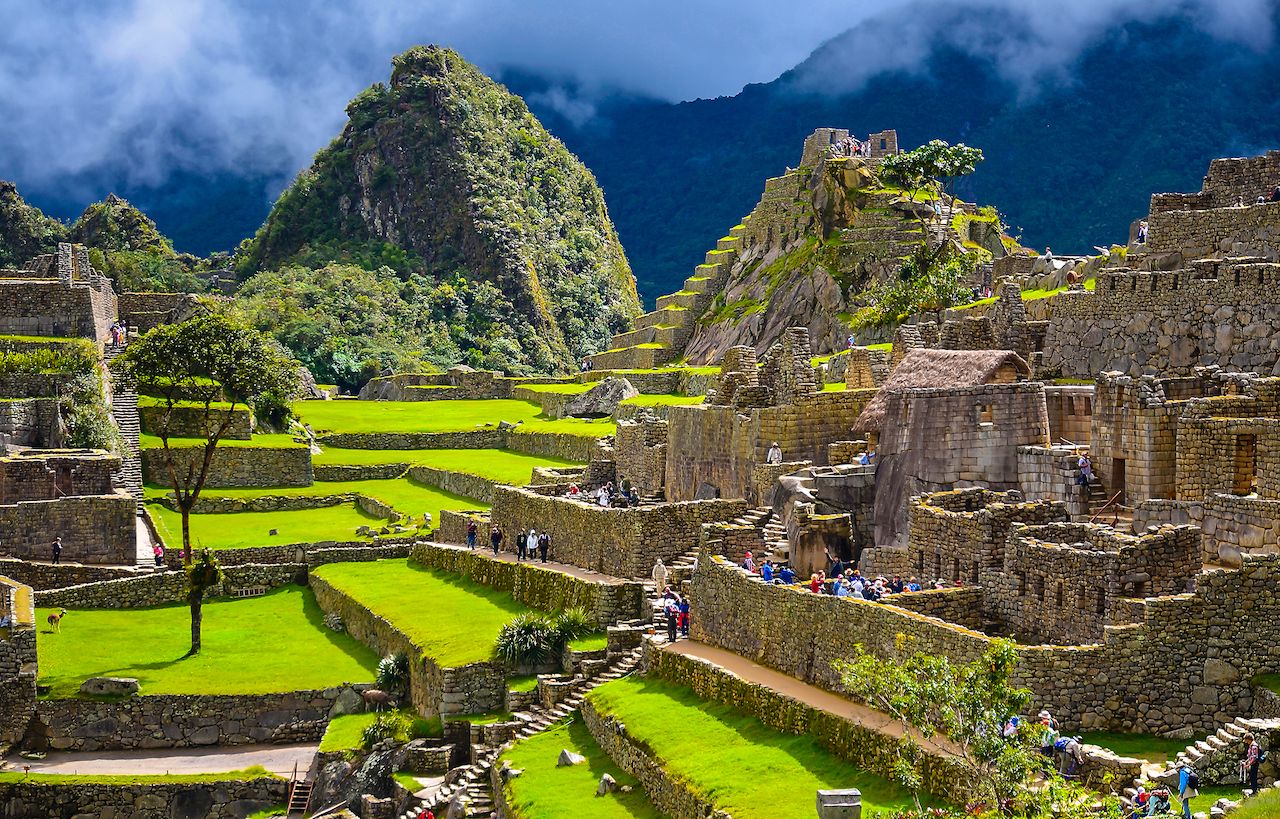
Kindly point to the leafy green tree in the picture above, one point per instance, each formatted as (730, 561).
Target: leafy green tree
(927, 175)
(203, 573)
(961, 709)
(211, 365)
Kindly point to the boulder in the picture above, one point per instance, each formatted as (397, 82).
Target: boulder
(602, 399)
(109, 686)
(348, 701)
(607, 785)
(568, 757)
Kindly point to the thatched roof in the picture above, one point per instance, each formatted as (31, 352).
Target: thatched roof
(925, 368)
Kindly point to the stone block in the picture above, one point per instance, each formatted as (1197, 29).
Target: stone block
(841, 804)
(109, 686)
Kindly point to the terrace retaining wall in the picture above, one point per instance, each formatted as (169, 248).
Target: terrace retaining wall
(41, 576)
(183, 721)
(456, 483)
(93, 528)
(235, 466)
(215, 799)
(166, 587)
(535, 586)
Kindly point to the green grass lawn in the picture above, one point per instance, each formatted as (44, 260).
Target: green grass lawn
(257, 645)
(271, 441)
(1265, 806)
(438, 416)
(544, 791)
(454, 620)
(681, 368)
(1139, 746)
(834, 386)
(501, 465)
(567, 388)
(245, 529)
(1271, 682)
(648, 400)
(731, 758)
(242, 775)
(346, 732)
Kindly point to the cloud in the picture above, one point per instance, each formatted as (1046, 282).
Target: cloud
(138, 89)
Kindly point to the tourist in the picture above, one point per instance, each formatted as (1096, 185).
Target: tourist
(864, 458)
(749, 563)
(1261, 200)
(574, 491)
(837, 568)
(544, 546)
(852, 343)
(684, 616)
(426, 521)
(157, 551)
(1140, 800)
(602, 496)
(625, 483)
(522, 544)
(766, 571)
(774, 455)
(1249, 765)
(839, 588)
(1159, 803)
(1048, 733)
(634, 497)
(1275, 194)
(1086, 469)
(913, 584)
(896, 585)
(57, 550)
(815, 583)
(673, 618)
(1239, 200)
(472, 531)
(659, 574)
(856, 583)
(1048, 254)
(495, 539)
(1010, 730)
(786, 575)
(1188, 787)
(1142, 233)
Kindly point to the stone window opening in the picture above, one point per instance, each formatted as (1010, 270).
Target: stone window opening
(920, 562)
(1102, 602)
(955, 568)
(1022, 584)
(986, 413)
(1040, 588)
(975, 575)
(1060, 597)
(1245, 479)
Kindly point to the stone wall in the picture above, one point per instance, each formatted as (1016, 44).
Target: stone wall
(1227, 179)
(17, 683)
(190, 422)
(235, 466)
(1050, 473)
(545, 444)
(27, 422)
(1210, 643)
(1252, 230)
(1222, 313)
(358, 472)
(477, 688)
(146, 311)
(159, 588)
(35, 385)
(98, 529)
(1229, 455)
(56, 474)
(607, 600)
(1070, 411)
(457, 483)
(1134, 434)
(42, 576)
(640, 453)
(184, 721)
(453, 526)
(1231, 526)
(959, 605)
(214, 799)
(617, 542)
(938, 439)
(858, 744)
(719, 446)
(63, 297)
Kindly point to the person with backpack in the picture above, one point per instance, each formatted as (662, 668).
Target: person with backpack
(472, 531)
(544, 546)
(1188, 788)
(1249, 765)
(522, 544)
(496, 538)
(1159, 804)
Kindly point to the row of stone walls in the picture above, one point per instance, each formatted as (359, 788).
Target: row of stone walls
(455, 483)
(1134, 438)
(1070, 411)
(563, 445)
(1228, 178)
(184, 721)
(1210, 644)
(234, 466)
(190, 422)
(42, 576)
(54, 308)
(617, 542)
(49, 476)
(490, 438)
(477, 688)
(537, 587)
(859, 744)
(1231, 526)
(358, 472)
(159, 588)
(36, 385)
(94, 529)
(215, 799)
(1252, 230)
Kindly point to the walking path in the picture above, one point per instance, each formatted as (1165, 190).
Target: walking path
(740, 666)
(279, 759)
(563, 568)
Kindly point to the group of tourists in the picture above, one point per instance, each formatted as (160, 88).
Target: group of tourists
(529, 542)
(119, 333)
(676, 611)
(607, 494)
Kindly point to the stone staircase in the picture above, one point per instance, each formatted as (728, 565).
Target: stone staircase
(1216, 758)
(660, 336)
(470, 788)
(1096, 497)
(124, 411)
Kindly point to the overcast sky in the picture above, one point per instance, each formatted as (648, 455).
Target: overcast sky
(258, 85)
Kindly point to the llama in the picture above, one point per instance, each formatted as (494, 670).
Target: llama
(55, 620)
(376, 699)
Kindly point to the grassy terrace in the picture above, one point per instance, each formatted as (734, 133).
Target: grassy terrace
(438, 416)
(454, 620)
(663, 400)
(731, 758)
(147, 441)
(242, 775)
(547, 792)
(501, 465)
(405, 495)
(569, 388)
(1029, 295)
(345, 733)
(258, 645)
(1139, 746)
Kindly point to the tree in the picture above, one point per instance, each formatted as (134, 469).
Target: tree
(961, 708)
(202, 574)
(926, 176)
(207, 369)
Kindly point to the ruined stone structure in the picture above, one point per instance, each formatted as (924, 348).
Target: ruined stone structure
(17, 662)
(57, 295)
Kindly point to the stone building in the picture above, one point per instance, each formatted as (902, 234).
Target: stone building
(58, 295)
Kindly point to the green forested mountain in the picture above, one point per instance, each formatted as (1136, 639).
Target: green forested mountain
(492, 235)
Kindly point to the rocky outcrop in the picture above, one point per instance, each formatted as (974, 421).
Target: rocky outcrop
(601, 400)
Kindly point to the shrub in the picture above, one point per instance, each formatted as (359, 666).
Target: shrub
(391, 725)
(532, 639)
(393, 672)
(74, 358)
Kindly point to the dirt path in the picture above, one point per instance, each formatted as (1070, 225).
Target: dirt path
(740, 666)
(563, 568)
(279, 759)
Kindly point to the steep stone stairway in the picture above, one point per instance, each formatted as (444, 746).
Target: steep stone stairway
(124, 411)
(661, 335)
(469, 789)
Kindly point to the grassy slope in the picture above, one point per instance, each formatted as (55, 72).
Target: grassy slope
(259, 645)
(438, 416)
(731, 758)
(346, 732)
(1265, 806)
(499, 465)
(547, 792)
(244, 529)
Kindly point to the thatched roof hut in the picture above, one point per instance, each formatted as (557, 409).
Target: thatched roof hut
(926, 368)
